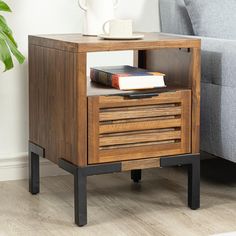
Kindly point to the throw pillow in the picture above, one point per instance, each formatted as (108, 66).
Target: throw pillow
(213, 18)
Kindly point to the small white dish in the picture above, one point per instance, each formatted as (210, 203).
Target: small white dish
(134, 36)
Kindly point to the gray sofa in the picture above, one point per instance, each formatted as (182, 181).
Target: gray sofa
(218, 104)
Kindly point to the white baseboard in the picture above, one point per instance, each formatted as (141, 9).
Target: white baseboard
(15, 167)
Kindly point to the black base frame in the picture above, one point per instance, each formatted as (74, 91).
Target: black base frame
(81, 173)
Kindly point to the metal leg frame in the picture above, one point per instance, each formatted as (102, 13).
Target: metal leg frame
(80, 184)
(34, 153)
(193, 163)
(81, 173)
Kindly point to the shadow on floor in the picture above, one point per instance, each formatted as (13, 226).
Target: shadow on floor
(219, 171)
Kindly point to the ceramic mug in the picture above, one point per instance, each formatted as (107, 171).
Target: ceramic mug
(97, 12)
(118, 28)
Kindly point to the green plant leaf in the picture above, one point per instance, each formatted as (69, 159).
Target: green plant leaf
(8, 44)
(12, 47)
(3, 25)
(5, 55)
(4, 28)
(4, 6)
(10, 36)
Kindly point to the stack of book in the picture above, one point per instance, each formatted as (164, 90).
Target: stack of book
(127, 77)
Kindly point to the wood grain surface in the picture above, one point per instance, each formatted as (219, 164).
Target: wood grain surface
(80, 43)
(140, 164)
(58, 103)
(121, 129)
(67, 122)
(183, 69)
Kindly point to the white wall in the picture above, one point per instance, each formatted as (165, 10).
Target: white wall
(49, 16)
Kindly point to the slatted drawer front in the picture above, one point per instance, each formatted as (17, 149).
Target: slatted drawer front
(125, 129)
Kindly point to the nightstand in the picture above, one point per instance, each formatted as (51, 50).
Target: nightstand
(88, 129)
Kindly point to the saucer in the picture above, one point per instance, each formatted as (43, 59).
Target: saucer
(134, 36)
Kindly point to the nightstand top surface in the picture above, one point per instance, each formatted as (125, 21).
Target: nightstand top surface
(80, 43)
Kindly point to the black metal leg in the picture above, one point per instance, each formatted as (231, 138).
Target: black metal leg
(194, 184)
(136, 175)
(80, 192)
(33, 173)
(80, 184)
(81, 173)
(35, 152)
(193, 163)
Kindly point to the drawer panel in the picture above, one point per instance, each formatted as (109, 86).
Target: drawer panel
(140, 125)
(112, 114)
(138, 137)
(125, 129)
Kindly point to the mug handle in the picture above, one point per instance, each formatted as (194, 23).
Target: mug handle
(104, 27)
(82, 6)
(116, 3)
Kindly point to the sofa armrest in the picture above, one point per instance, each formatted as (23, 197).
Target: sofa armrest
(219, 61)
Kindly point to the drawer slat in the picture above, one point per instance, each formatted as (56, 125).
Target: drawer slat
(140, 113)
(138, 144)
(134, 108)
(139, 138)
(138, 132)
(119, 101)
(144, 125)
(140, 152)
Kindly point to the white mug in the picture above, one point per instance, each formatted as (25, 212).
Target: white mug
(118, 28)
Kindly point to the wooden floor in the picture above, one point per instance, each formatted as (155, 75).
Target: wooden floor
(117, 207)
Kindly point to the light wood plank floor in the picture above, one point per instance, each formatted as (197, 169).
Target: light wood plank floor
(117, 207)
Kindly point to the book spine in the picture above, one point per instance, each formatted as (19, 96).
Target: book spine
(115, 82)
(102, 77)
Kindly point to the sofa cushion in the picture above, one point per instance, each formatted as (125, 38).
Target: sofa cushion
(213, 18)
(174, 17)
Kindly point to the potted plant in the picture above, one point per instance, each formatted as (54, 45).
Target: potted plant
(8, 46)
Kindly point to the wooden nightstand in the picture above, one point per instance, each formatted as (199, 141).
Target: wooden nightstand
(88, 130)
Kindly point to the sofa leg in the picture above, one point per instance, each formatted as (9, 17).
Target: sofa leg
(194, 185)
(136, 175)
(80, 198)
